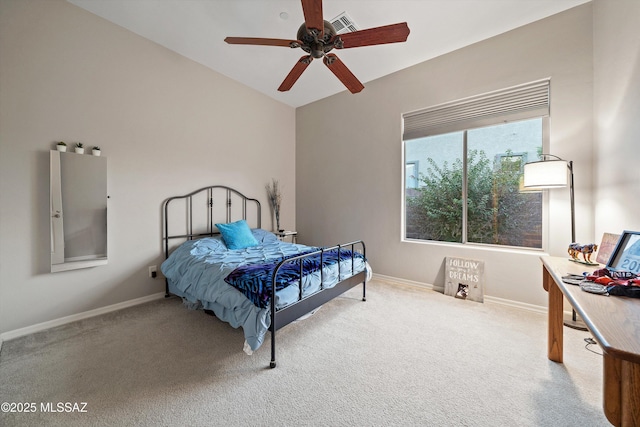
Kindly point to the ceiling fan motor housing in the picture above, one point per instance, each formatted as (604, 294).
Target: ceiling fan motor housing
(315, 45)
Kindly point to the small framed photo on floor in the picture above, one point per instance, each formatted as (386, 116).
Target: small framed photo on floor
(464, 278)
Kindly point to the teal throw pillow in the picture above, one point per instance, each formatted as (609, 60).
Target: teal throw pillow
(237, 235)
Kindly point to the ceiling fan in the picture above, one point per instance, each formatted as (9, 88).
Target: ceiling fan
(318, 37)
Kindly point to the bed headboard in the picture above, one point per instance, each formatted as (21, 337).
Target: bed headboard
(194, 215)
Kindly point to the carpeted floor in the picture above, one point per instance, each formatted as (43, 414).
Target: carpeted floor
(405, 357)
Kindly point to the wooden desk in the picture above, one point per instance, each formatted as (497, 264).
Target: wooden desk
(615, 325)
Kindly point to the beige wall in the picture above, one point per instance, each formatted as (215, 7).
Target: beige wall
(349, 152)
(166, 124)
(617, 115)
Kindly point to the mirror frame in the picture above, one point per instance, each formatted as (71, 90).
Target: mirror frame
(58, 259)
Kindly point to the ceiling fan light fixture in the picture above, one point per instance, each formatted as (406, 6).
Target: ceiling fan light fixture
(315, 45)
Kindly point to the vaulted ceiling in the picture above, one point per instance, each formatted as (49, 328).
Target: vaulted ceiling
(196, 29)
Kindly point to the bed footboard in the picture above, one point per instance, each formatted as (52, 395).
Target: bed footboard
(306, 304)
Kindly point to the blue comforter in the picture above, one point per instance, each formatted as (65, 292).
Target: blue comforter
(255, 280)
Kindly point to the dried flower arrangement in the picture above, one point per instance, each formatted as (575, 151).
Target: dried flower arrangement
(275, 198)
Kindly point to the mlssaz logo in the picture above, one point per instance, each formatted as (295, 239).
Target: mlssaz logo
(63, 407)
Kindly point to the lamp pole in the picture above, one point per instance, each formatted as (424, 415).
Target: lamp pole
(574, 323)
(573, 204)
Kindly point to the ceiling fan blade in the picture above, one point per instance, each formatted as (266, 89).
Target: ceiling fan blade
(262, 42)
(295, 73)
(341, 71)
(393, 33)
(313, 15)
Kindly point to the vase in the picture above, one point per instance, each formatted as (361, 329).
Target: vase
(61, 148)
(79, 150)
(95, 152)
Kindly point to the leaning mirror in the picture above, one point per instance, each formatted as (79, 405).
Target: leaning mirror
(78, 211)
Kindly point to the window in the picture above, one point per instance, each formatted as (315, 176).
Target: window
(469, 187)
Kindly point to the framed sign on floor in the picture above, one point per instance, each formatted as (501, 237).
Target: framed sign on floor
(464, 278)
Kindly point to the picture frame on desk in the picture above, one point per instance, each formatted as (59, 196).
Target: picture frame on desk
(608, 244)
(626, 255)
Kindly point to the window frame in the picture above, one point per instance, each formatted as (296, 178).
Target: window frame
(483, 122)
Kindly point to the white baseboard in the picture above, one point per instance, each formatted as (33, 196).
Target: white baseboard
(516, 304)
(489, 299)
(396, 281)
(16, 333)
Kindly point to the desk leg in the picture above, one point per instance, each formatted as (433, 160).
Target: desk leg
(611, 379)
(621, 391)
(555, 343)
(630, 393)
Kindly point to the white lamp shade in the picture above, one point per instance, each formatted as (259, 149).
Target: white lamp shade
(546, 174)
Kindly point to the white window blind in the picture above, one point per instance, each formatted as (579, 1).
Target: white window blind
(520, 102)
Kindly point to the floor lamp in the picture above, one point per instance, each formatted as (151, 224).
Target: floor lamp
(554, 172)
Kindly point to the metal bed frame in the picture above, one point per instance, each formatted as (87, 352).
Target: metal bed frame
(194, 229)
